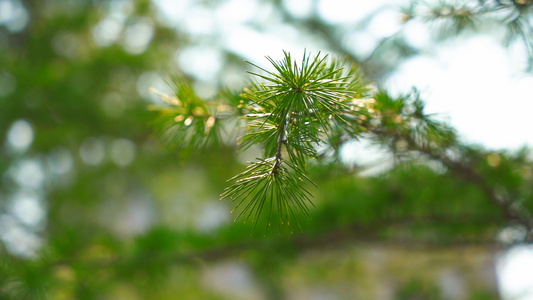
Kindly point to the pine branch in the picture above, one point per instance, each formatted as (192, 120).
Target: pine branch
(295, 108)
(436, 140)
(291, 110)
(187, 122)
(514, 15)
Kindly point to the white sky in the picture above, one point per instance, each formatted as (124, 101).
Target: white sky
(478, 85)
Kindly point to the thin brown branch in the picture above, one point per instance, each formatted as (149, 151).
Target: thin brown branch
(280, 141)
(507, 207)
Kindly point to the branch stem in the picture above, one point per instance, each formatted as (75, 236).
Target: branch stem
(281, 141)
(509, 208)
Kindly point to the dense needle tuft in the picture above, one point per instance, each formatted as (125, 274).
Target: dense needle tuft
(291, 110)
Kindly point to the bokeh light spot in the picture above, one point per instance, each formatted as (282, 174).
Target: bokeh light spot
(28, 173)
(199, 21)
(92, 151)
(514, 273)
(28, 208)
(385, 24)
(138, 35)
(19, 136)
(298, 8)
(211, 216)
(107, 31)
(202, 62)
(18, 240)
(60, 161)
(122, 152)
(66, 44)
(13, 15)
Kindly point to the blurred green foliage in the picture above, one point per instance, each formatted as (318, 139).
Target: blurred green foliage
(125, 217)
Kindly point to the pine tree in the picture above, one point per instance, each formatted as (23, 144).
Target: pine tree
(92, 206)
(297, 108)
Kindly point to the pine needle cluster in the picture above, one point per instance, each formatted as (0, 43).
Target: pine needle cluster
(291, 111)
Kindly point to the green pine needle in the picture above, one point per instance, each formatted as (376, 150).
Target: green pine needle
(270, 185)
(187, 122)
